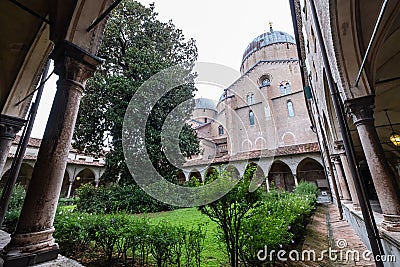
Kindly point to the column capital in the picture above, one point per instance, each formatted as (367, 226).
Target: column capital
(339, 146)
(361, 109)
(335, 158)
(74, 64)
(10, 126)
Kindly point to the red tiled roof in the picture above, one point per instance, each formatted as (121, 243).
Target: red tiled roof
(77, 162)
(255, 154)
(33, 142)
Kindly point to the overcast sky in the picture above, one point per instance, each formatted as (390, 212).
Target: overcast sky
(222, 30)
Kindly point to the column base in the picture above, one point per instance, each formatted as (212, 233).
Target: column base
(391, 223)
(31, 242)
(15, 259)
(30, 248)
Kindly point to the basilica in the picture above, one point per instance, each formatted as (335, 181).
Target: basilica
(260, 120)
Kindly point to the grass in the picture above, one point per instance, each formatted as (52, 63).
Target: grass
(213, 254)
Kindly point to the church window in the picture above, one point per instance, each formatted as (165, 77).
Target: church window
(221, 130)
(265, 80)
(250, 99)
(290, 109)
(251, 117)
(285, 89)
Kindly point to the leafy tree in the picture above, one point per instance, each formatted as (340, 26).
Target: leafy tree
(135, 46)
(230, 210)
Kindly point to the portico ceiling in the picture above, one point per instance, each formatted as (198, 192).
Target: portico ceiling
(20, 27)
(383, 67)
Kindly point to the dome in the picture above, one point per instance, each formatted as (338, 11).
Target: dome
(265, 39)
(201, 103)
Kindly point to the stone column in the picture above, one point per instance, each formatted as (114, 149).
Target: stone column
(9, 127)
(33, 240)
(362, 111)
(296, 182)
(334, 175)
(350, 181)
(69, 189)
(342, 180)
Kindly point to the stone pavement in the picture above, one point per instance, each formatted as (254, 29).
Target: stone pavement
(61, 261)
(326, 231)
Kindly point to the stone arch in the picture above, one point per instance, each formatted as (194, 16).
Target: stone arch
(312, 171)
(24, 175)
(257, 174)
(281, 177)
(232, 171)
(84, 176)
(180, 177)
(348, 45)
(210, 171)
(260, 143)
(288, 138)
(195, 174)
(247, 145)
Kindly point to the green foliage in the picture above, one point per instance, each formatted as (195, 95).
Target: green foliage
(135, 46)
(117, 198)
(66, 201)
(278, 223)
(194, 244)
(14, 208)
(193, 182)
(73, 231)
(277, 220)
(259, 231)
(212, 253)
(230, 210)
(122, 238)
(306, 188)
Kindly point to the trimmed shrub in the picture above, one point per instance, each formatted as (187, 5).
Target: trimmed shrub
(126, 239)
(278, 223)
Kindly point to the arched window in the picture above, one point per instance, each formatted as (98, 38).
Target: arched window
(285, 89)
(220, 130)
(282, 89)
(250, 99)
(251, 117)
(266, 82)
(290, 109)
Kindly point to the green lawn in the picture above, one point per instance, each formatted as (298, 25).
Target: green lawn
(214, 252)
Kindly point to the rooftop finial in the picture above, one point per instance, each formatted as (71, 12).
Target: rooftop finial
(270, 26)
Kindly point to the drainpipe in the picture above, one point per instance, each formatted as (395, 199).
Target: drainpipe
(20, 153)
(373, 234)
(305, 83)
